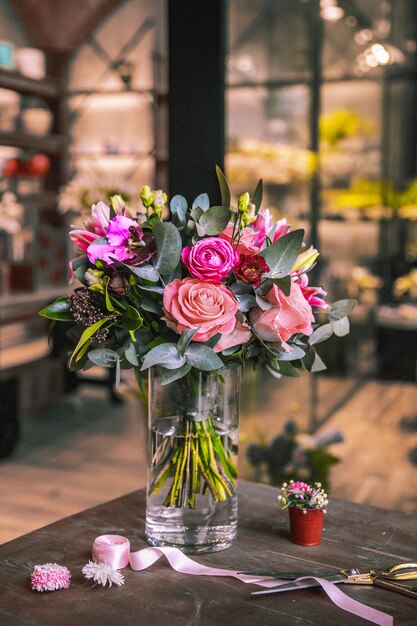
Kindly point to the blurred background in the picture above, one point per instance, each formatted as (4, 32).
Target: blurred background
(318, 98)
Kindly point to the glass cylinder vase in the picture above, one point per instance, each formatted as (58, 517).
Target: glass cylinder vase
(192, 460)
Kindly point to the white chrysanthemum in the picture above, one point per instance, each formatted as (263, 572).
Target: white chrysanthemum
(102, 574)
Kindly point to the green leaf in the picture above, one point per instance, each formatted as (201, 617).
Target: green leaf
(168, 244)
(203, 357)
(179, 207)
(152, 288)
(165, 354)
(295, 354)
(185, 339)
(224, 187)
(322, 333)
(202, 201)
(104, 357)
(284, 284)
(263, 304)
(151, 306)
(318, 365)
(109, 305)
(170, 376)
(286, 369)
(131, 356)
(281, 255)
(58, 310)
(341, 309)
(132, 319)
(86, 336)
(341, 327)
(214, 221)
(245, 302)
(257, 196)
(196, 213)
(147, 272)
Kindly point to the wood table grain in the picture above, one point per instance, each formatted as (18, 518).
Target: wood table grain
(355, 535)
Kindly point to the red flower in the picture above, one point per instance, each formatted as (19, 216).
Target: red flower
(251, 268)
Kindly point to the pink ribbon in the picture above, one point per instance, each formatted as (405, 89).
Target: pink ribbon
(114, 550)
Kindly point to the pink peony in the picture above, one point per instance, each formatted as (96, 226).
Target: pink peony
(190, 303)
(211, 259)
(251, 268)
(288, 316)
(240, 335)
(247, 242)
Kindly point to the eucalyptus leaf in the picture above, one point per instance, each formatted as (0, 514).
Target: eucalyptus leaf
(224, 187)
(170, 376)
(318, 365)
(273, 371)
(104, 357)
(341, 327)
(152, 306)
(241, 288)
(147, 272)
(322, 333)
(202, 357)
(284, 284)
(202, 201)
(263, 304)
(214, 220)
(185, 339)
(341, 309)
(165, 354)
(168, 244)
(179, 207)
(213, 340)
(286, 369)
(131, 356)
(58, 310)
(295, 354)
(196, 213)
(246, 301)
(282, 254)
(230, 351)
(152, 288)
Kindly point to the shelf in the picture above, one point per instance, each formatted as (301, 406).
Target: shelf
(20, 306)
(44, 88)
(51, 144)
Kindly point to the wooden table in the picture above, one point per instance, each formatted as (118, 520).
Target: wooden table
(354, 535)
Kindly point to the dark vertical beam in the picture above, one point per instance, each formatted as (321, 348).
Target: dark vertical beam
(196, 30)
(316, 44)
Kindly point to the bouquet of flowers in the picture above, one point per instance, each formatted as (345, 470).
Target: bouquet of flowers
(303, 496)
(213, 286)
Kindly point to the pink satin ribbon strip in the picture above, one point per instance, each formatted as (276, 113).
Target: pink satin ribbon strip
(114, 550)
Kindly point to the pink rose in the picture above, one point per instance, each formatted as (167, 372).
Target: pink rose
(289, 315)
(247, 242)
(211, 259)
(241, 334)
(189, 303)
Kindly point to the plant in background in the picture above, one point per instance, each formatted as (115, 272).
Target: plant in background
(294, 454)
(215, 286)
(303, 496)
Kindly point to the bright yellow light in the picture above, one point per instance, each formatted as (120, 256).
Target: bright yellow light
(380, 53)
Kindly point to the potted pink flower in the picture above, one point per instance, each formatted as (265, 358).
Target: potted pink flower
(307, 507)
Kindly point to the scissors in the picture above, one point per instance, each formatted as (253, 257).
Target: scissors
(392, 578)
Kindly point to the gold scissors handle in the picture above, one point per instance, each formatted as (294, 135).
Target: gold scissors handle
(400, 571)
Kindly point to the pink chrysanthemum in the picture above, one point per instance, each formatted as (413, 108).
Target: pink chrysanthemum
(50, 577)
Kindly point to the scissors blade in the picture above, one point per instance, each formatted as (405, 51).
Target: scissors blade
(308, 583)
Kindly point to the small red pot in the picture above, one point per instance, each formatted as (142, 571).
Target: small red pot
(306, 526)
